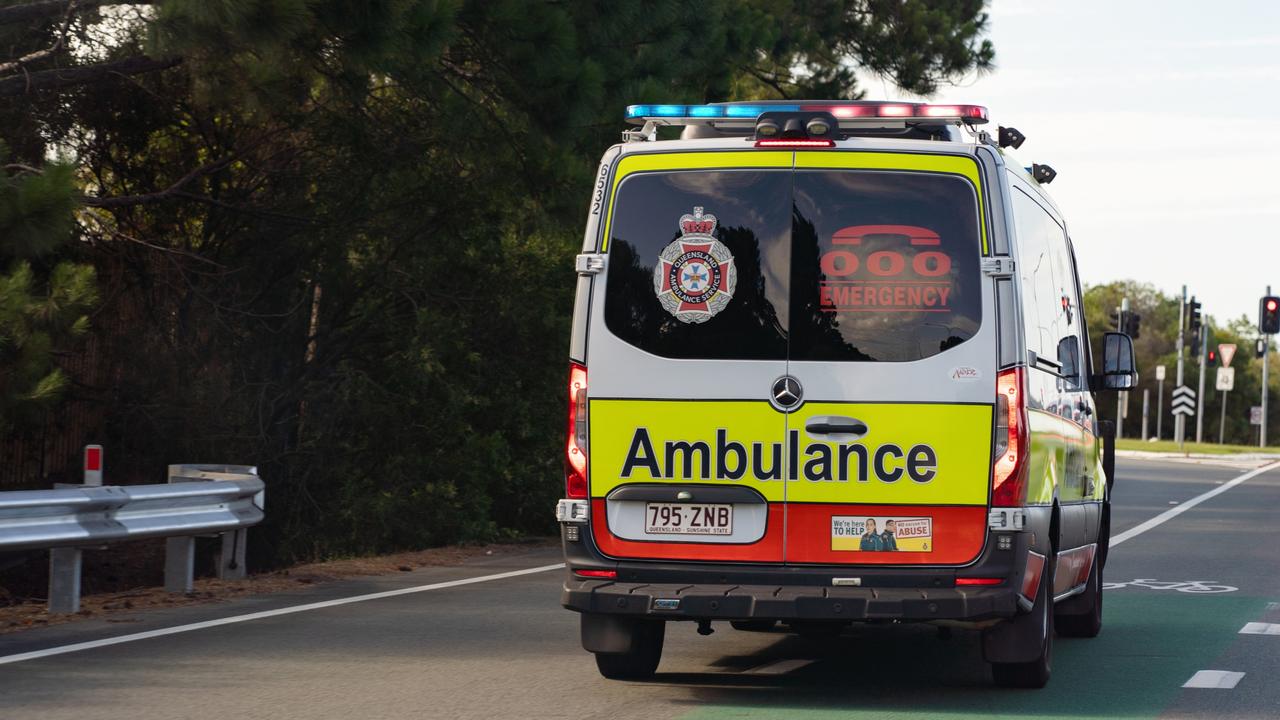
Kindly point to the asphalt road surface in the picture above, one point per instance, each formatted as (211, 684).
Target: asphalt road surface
(503, 648)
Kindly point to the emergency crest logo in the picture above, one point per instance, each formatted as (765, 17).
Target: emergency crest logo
(695, 277)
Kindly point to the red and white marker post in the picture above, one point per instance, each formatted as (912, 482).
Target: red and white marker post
(93, 465)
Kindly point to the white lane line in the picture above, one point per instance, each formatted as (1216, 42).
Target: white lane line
(780, 667)
(105, 642)
(1174, 512)
(1214, 679)
(1260, 628)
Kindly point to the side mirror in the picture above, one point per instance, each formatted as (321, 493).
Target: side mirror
(1119, 370)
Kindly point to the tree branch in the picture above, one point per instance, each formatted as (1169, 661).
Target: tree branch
(57, 78)
(172, 190)
(47, 52)
(48, 8)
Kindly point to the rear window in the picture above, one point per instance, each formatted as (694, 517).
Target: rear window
(808, 265)
(748, 213)
(885, 266)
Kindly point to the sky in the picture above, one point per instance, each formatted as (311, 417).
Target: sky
(1163, 122)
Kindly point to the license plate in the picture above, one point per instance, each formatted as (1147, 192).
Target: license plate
(688, 519)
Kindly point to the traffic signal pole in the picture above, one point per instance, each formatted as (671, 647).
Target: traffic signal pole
(1179, 419)
(1120, 396)
(1204, 370)
(1262, 436)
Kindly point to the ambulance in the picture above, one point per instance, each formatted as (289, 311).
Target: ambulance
(829, 364)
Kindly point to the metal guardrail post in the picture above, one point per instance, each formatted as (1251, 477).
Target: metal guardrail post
(231, 556)
(64, 579)
(179, 564)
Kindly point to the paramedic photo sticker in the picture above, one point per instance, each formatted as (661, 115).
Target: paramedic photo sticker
(695, 276)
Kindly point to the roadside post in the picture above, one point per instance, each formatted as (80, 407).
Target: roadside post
(1122, 397)
(1268, 325)
(1178, 418)
(1204, 370)
(1146, 408)
(66, 563)
(1225, 383)
(93, 465)
(1159, 402)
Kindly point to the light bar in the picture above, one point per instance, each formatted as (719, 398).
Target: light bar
(849, 109)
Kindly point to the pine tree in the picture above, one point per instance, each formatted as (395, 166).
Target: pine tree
(43, 301)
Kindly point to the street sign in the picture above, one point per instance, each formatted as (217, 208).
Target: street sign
(1255, 415)
(1184, 401)
(1226, 351)
(1159, 372)
(1226, 379)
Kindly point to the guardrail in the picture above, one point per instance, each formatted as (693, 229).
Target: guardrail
(198, 500)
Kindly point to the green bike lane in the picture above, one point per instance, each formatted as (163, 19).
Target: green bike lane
(1153, 640)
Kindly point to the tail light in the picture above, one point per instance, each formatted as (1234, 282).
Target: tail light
(575, 477)
(1009, 461)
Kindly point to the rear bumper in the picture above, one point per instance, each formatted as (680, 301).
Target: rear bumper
(787, 602)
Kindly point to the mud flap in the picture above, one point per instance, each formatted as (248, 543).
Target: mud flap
(607, 633)
(1107, 429)
(1021, 639)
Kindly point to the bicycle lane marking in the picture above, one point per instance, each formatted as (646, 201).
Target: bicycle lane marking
(1174, 512)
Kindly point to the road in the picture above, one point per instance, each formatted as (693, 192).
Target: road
(503, 648)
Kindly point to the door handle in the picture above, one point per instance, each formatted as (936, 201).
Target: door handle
(836, 427)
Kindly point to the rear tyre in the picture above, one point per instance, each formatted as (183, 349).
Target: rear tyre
(639, 662)
(753, 625)
(1081, 616)
(1037, 627)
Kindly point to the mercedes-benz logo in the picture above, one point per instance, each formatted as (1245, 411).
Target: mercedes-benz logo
(786, 394)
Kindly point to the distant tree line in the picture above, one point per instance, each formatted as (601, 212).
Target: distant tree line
(334, 238)
(1157, 344)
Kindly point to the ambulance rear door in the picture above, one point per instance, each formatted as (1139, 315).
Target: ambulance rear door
(687, 338)
(893, 340)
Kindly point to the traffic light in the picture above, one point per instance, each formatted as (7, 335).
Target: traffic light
(1132, 325)
(1269, 315)
(1195, 343)
(1212, 357)
(1193, 315)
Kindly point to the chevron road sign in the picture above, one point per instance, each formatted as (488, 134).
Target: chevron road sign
(1184, 401)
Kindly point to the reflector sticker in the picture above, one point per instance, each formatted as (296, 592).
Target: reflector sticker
(695, 277)
(881, 534)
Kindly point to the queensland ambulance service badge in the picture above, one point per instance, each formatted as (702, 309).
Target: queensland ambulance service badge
(695, 276)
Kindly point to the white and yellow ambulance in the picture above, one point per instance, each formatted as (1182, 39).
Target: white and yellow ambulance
(829, 364)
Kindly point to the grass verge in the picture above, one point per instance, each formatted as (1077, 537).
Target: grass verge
(1192, 447)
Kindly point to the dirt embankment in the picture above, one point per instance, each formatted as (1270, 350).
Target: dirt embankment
(118, 606)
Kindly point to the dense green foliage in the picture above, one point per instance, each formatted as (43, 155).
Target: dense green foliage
(1157, 344)
(334, 237)
(43, 301)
